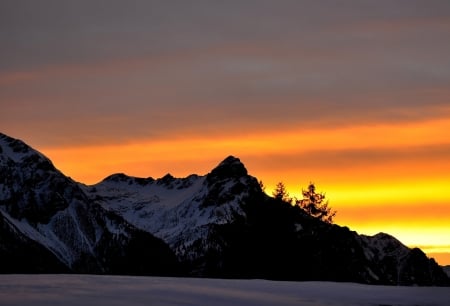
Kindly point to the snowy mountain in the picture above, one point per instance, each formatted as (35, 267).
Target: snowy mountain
(182, 212)
(216, 225)
(42, 212)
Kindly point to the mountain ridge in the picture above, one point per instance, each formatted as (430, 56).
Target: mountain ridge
(40, 203)
(216, 225)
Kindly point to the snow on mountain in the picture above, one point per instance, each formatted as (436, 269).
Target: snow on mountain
(178, 210)
(47, 207)
(21, 254)
(382, 245)
(382, 248)
(399, 264)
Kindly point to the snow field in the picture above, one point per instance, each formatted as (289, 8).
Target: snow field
(126, 290)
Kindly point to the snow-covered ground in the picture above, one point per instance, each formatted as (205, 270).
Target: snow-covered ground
(125, 290)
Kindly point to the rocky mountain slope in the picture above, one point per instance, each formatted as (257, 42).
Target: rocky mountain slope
(217, 225)
(447, 270)
(46, 216)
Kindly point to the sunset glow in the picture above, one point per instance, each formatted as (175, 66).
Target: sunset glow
(355, 98)
(396, 189)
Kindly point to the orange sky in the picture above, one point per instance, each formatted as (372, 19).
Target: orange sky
(389, 177)
(355, 98)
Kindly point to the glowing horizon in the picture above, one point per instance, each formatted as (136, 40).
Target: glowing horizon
(391, 199)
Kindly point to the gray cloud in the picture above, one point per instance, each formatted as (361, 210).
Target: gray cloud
(177, 65)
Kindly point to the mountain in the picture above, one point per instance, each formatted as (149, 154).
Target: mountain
(216, 225)
(447, 270)
(182, 212)
(48, 224)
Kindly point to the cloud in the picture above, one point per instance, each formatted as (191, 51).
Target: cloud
(97, 72)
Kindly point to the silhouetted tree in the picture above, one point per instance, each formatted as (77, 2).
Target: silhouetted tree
(280, 193)
(263, 187)
(314, 205)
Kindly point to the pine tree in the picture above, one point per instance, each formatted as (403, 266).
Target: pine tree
(280, 193)
(262, 186)
(314, 205)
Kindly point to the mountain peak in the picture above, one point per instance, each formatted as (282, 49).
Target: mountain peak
(123, 178)
(229, 167)
(14, 149)
(230, 160)
(116, 177)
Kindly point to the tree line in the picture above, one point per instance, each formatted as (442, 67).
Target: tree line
(313, 203)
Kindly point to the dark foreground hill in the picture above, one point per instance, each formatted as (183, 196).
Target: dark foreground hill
(217, 225)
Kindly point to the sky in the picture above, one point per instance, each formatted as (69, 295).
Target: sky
(352, 95)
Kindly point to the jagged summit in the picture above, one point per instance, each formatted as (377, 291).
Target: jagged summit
(116, 177)
(230, 160)
(17, 151)
(230, 167)
(122, 177)
(18, 146)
